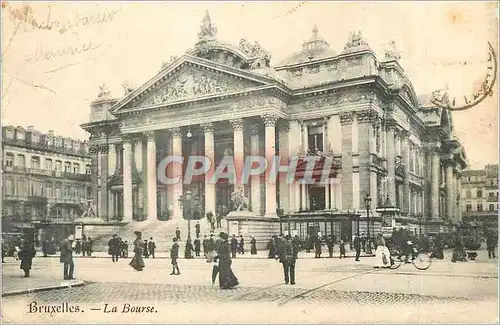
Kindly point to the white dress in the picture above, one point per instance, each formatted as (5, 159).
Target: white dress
(382, 251)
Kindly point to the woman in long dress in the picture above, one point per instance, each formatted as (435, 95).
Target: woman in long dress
(137, 261)
(227, 279)
(253, 246)
(26, 254)
(382, 254)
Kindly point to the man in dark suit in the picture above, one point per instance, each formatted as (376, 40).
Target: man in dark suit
(287, 254)
(357, 246)
(491, 243)
(67, 257)
(114, 248)
(234, 246)
(151, 247)
(198, 229)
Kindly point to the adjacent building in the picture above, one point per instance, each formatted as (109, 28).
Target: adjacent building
(479, 202)
(46, 181)
(360, 110)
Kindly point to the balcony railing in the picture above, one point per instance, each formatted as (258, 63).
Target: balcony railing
(492, 199)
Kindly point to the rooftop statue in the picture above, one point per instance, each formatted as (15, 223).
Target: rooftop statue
(127, 88)
(391, 51)
(207, 28)
(87, 208)
(356, 39)
(103, 92)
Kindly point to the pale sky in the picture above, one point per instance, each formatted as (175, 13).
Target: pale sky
(54, 94)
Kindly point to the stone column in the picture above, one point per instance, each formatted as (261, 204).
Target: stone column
(435, 179)
(459, 192)
(346, 187)
(270, 140)
(151, 175)
(285, 197)
(303, 203)
(304, 135)
(255, 179)
(391, 161)
(327, 195)
(127, 181)
(239, 145)
(176, 171)
(406, 177)
(449, 190)
(111, 159)
(94, 172)
(210, 197)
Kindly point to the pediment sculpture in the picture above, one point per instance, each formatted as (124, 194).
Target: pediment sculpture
(255, 51)
(191, 84)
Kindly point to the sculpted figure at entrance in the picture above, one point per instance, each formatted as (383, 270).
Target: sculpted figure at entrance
(240, 201)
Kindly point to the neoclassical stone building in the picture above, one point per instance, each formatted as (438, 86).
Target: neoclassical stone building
(218, 99)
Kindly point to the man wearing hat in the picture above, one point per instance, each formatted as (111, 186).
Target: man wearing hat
(67, 257)
(287, 254)
(210, 246)
(114, 248)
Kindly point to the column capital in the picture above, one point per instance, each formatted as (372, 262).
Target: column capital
(390, 124)
(367, 116)
(175, 132)
(128, 138)
(269, 119)
(150, 135)
(346, 118)
(237, 124)
(208, 127)
(405, 135)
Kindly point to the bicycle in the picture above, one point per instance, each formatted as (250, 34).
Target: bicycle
(421, 261)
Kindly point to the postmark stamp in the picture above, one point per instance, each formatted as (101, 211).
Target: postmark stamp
(480, 90)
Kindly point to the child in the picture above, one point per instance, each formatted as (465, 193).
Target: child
(342, 248)
(174, 255)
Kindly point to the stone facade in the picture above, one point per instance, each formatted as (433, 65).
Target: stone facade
(45, 180)
(357, 109)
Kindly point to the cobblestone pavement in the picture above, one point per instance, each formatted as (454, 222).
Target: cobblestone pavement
(354, 289)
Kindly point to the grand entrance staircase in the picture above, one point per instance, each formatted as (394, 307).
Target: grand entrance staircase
(162, 232)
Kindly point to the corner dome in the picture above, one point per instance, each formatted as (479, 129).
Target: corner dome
(315, 48)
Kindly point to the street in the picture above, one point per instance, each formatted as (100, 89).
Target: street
(327, 290)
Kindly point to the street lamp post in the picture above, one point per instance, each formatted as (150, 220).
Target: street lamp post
(368, 202)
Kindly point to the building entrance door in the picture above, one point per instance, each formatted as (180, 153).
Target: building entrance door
(223, 192)
(317, 198)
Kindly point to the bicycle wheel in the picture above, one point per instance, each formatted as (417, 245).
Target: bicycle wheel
(395, 263)
(422, 261)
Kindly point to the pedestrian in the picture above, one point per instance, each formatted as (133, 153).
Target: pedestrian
(125, 249)
(197, 245)
(84, 248)
(151, 247)
(287, 254)
(317, 247)
(177, 233)
(197, 228)
(234, 246)
(90, 248)
(188, 251)
(271, 246)
(210, 249)
(45, 248)
(342, 248)
(209, 216)
(26, 254)
(241, 246)
(219, 219)
(137, 262)
(204, 245)
(382, 254)
(78, 247)
(363, 242)
(253, 246)
(227, 279)
(145, 252)
(357, 246)
(174, 255)
(114, 248)
(491, 243)
(330, 243)
(308, 244)
(66, 257)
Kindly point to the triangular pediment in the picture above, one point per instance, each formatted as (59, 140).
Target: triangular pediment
(187, 79)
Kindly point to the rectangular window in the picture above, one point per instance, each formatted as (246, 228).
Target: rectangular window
(48, 190)
(48, 164)
(76, 168)
(491, 207)
(9, 160)
(21, 161)
(9, 187)
(67, 167)
(35, 162)
(87, 169)
(58, 192)
(20, 188)
(58, 166)
(479, 193)
(468, 194)
(468, 207)
(480, 207)
(315, 142)
(491, 194)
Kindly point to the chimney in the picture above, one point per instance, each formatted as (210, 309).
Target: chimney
(30, 128)
(51, 133)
